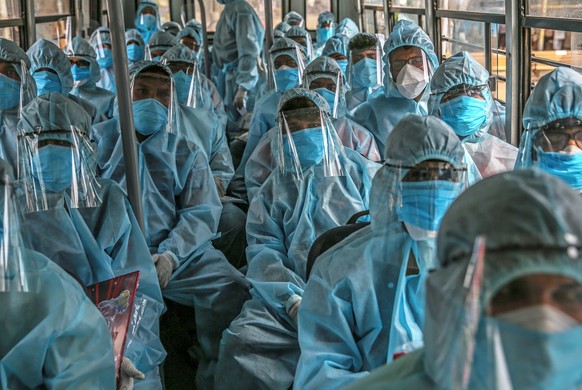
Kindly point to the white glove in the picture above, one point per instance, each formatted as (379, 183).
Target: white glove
(164, 267)
(240, 99)
(293, 311)
(127, 374)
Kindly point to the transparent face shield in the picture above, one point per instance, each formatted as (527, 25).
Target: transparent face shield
(365, 68)
(286, 69)
(526, 334)
(469, 110)
(329, 86)
(148, 19)
(104, 53)
(306, 139)
(13, 81)
(65, 32)
(187, 82)
(424, 193)
(305, 43)
(57, 162)
(411, 75)
(153, 92)
(15, 274)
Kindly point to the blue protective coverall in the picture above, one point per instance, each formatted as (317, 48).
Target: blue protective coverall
(528, 231)
(100, 37)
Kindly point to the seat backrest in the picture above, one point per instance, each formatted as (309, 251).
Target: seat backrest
(329, 239)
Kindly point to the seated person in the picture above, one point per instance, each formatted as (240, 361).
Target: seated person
(365, 69)
(93, 232)
(460, 96)
(317, 185)
(508, 315)
(337, 48)
(160, 43)
(347, 27)
(14, 81)
(147, 19)
(51, 70)
(364, 301)
(192, 39)
(323, 76)
(294, 19)
(409, 63)
(171, 27)
(101, 42)
(552, 118)
(53, 336)
(181, 211)
(135, 46)
(86, 75)
(303, 39)
(326, 25)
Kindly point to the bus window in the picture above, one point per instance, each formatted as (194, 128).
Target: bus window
(314, 8)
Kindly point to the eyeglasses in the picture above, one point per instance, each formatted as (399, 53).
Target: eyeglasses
(417, 61)
(474, 91)
(438, 172)
(556, 135)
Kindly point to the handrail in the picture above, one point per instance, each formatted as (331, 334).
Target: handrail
(205, 38)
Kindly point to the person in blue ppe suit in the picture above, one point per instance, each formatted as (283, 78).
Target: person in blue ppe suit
(552, 118)
(509, 314)
(303, 39)
(192, 39)
(193, 80)
(135, 46)
(337, 48)
(15, 84)
(365, 69)
(171, 27)
(101, 42)
(195, 24)
(366, 305)
(287, 63)
(282, 27)
(460, 96)
(347, 27)
(181, 211)
(238, 42)
(259, 350)
(51, 70)
(409, 63)
(159, 43)
(294, 19)
(209, 134)
(94, 234)
(320, 74)
(86, 74)
(53, 336)
(147, 19)
(326, 25)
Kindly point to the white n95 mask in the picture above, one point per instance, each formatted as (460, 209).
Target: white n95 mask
(411, 81)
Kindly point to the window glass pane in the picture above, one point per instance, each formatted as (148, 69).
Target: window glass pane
(554, 45)
(314, 8)
(213, 11)
(9, 9)
(380, 22)
(53, 7)
(374, 2)
(493, 6)
(465, 35)
(412, 18)
(369, 21)
(498, 62)
(408, 3)
(164, 7)
(259, 6)
(53, 31)
(10, 33)
(555, 8)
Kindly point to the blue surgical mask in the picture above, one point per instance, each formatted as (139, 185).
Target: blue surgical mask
(47, 82)
(554, 362)
(328, 96)
(286, 78)
(80, 73)
(343, 64)
(9, 92)
(53, 166)
(149, 21)
(134, 52)
(106, 59)
(309, 146)
(466, 115)
(183, 84)
(323, 34)
(365, 73)
(424, 203)
(567, 167)
(149, 116)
